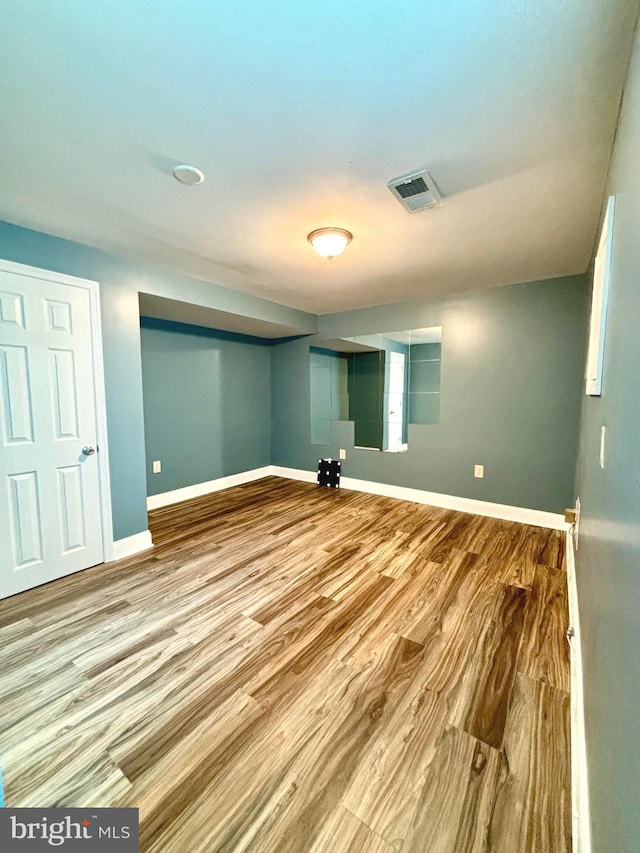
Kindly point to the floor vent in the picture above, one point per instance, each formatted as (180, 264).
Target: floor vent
(415, 191)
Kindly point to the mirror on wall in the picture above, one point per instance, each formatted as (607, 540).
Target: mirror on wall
(382, 382)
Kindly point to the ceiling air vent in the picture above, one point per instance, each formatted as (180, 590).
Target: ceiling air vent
(415, 191)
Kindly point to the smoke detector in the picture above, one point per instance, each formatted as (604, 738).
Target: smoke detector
(415, 191)
(188, 175)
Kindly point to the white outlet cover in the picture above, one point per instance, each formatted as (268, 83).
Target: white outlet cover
(478, 471)
(157, 466)
(603, 444)
(343, 453)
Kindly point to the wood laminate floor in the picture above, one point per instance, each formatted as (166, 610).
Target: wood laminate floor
(296, 669)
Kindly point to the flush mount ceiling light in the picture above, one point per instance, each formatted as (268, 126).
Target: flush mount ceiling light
(330, 242)
(188, 175)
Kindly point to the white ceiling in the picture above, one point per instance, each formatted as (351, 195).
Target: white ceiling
(299, 114)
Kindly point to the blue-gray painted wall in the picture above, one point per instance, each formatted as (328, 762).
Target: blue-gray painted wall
(608, 557)
(207, 403)
(512, 363)
(121, 280)
(511, 377)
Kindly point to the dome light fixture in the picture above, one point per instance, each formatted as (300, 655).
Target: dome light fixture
(330, 242)
(188, 175)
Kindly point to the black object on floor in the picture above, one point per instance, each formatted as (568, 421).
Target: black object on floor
(329, 472)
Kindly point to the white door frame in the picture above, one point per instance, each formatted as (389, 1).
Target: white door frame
(93, 288)
(395, 358)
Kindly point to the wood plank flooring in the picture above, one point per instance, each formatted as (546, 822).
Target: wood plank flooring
(298, 669)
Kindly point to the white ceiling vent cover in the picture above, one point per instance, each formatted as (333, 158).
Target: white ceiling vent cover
(415, 191)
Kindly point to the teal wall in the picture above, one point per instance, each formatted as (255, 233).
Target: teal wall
(121, 280)
(511, 372)
(366, 397)
(511, 378)
(608, 557)
(424, 383)
(207, 403)
(328, 388)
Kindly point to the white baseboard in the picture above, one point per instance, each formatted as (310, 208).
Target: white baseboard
(131, 545)
(536, 517)
(199, 489)
(294, 474)
(579, 772)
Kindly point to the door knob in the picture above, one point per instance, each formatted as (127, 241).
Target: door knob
(88, 450)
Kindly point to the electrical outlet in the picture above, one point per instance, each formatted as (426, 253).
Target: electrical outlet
(343, 453)
(478, 471)
(157, 466)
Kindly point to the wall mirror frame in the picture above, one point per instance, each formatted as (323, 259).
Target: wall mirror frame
(382, 382)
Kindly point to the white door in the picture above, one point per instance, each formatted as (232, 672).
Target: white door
(50, 507)
(395, 402)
